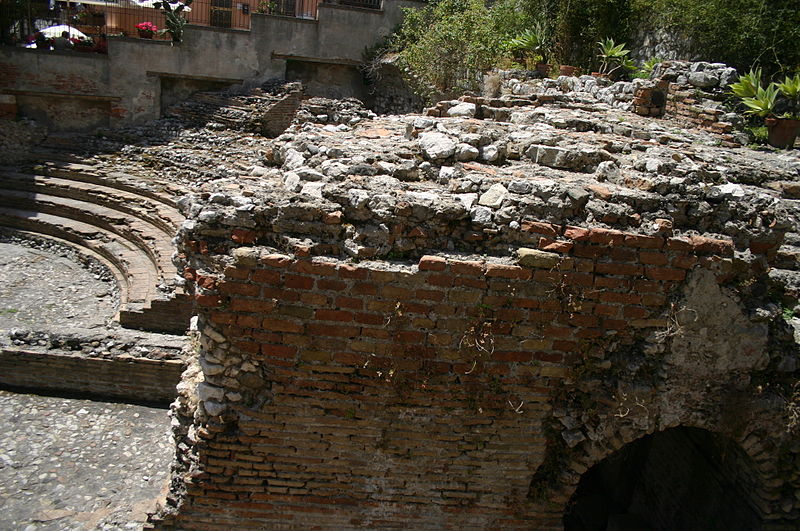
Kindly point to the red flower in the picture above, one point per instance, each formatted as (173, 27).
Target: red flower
(147, 27)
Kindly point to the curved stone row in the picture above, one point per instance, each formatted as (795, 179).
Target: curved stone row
(129, 228)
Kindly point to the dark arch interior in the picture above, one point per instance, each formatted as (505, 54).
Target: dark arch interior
(679, 479)
(658, 98)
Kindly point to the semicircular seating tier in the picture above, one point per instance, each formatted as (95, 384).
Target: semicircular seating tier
(126, 227)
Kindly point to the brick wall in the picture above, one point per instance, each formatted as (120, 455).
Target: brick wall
(379, 395)
(688, 106)
(8, 106)
(278, 116)
(136, 379)
(170, 316)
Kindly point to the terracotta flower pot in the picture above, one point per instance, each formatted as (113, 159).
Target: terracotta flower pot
(567, 70)
(782, 132)
(543, 68)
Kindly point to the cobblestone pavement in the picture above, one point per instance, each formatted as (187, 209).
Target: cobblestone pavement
(69, 464)
(46, 288)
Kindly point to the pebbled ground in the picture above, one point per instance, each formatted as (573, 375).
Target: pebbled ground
(43, 288)
(75, 465)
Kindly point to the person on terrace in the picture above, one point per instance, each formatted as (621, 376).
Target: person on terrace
(62, 43)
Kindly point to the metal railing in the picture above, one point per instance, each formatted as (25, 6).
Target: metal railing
(21, 19)
(365, 4)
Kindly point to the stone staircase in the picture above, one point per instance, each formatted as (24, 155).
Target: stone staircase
(124, 226)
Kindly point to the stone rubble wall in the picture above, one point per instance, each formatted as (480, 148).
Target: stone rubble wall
(390, 92)
(423, 323)
(690, 91)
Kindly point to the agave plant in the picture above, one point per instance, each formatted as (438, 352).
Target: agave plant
(646, 70)
(790, 87)
(612, 56)
(748, 84)
(532, 41)
(763, 102)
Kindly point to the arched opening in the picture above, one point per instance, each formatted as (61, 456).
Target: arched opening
(681, 478)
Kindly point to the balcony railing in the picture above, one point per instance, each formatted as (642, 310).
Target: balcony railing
(20, 19)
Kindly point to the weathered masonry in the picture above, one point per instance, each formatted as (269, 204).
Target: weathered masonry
(460, 391)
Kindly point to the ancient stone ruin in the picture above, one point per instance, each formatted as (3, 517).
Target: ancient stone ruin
(569, 305)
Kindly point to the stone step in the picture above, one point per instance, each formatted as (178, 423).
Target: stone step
(152, 189)
(149, 239)
(163, 216)
(140, 274)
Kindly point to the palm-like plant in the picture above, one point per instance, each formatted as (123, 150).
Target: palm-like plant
(530, 42)
(790, 87)
(612, 56)
(763, 102)
(748, 84)
(173, 16)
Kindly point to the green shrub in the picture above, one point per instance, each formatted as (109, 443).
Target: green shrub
(578, 26)
(448, 45)
(759, 133)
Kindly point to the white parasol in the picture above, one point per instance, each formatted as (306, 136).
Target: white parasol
(55, 31)
(149, 3)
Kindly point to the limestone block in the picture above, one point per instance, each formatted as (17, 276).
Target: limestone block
(494, 196)
(466, 153)
(466, 110)
(436, 146)
(536, 258)
(703, 79)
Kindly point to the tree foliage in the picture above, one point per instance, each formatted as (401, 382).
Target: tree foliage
(449, 44)
(740, 33)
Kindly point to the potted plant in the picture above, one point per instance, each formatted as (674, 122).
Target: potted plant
(173, 15)
(80, 44)
(530, 46)
(777, 103)
(146, 30)
(266, 7)
(784, 128)
(568, 70)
